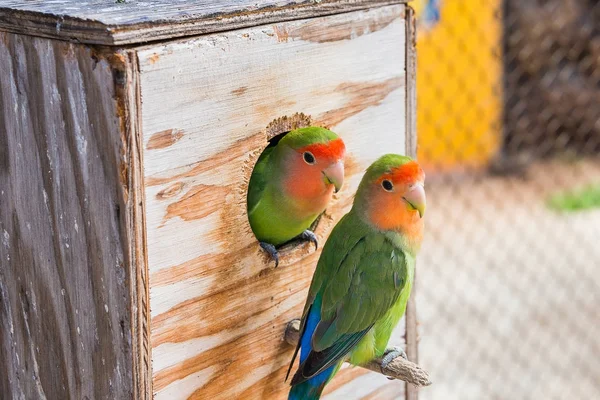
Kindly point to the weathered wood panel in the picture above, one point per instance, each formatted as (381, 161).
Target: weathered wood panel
(219, 309)
(411, 333)
(136, 21)
(128, 95)
(65, 256)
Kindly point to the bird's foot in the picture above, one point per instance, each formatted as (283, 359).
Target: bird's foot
(269, 248)
(310, 236)
(390, 355)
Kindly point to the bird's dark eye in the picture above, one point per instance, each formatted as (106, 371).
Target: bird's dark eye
(387, 185)
(309, 158)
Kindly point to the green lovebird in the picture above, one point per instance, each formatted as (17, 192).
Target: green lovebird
(364, 276)
(292, 183)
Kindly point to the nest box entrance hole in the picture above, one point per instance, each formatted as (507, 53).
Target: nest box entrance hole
(276, 130)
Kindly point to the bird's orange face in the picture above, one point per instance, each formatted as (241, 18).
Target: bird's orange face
(314, 172)
(397, 199)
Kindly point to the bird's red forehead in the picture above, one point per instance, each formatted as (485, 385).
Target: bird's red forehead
(334, 149)
(405, 174)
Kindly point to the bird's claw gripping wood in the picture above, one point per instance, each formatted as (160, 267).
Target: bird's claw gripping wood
(390, 355)
(272, 251)
(397, 368)
(310, 236)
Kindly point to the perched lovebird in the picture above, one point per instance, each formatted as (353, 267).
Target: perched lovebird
(291, 185)
(364, 276)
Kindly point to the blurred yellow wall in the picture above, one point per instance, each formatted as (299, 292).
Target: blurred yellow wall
(458, 82)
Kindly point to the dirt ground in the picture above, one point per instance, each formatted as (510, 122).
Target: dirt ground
(508, 291)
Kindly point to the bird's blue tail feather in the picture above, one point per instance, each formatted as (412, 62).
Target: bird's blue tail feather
(305, 391)
(312, 388)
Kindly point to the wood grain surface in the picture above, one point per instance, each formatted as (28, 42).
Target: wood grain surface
(411, 335)
(65, 224)
(138, 21)
(218, 307)
(128, 96)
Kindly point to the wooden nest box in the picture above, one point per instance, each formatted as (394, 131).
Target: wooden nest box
(128, 133)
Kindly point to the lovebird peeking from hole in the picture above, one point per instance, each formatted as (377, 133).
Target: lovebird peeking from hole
(363, 278)
(292, 184)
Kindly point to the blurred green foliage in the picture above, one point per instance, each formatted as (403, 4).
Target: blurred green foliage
(576, 200)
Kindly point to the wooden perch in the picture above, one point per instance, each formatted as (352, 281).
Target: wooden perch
(399, 368)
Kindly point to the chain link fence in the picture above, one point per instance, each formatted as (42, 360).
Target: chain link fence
(508, 287)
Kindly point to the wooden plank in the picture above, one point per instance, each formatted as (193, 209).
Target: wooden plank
(65, 226)
(138, 21)
(411, 333)
(219, 309)
(128, 95)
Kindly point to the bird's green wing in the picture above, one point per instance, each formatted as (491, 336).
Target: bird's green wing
(373, 275)
(318, 361)
(259, 179)
(358, 286)
(344, 235)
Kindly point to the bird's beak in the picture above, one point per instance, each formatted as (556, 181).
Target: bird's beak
(415, 197)
(334, 174)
